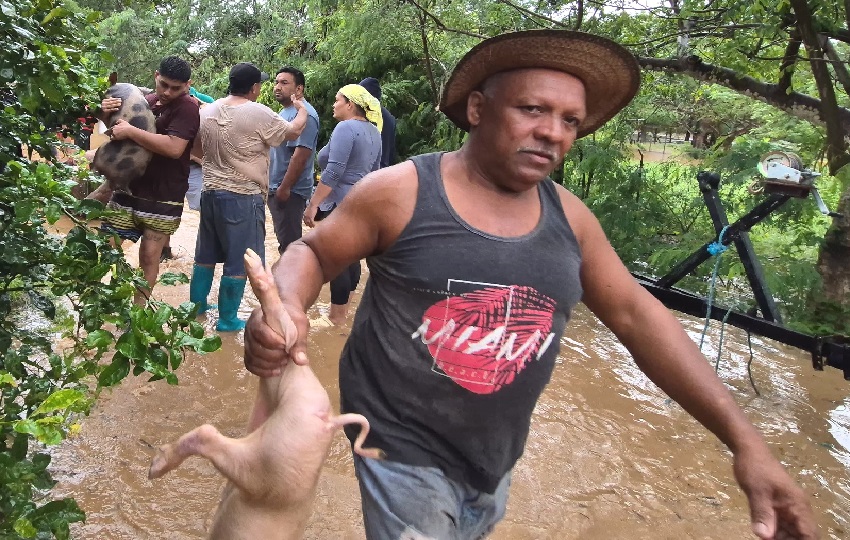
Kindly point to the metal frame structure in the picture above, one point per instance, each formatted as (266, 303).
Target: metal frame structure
(764, 320)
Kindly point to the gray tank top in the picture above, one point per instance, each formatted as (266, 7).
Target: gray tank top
(457, 334)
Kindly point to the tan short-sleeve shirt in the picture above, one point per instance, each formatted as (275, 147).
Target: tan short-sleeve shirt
(236, 141)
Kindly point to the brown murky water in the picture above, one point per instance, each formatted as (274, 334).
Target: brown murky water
(609, 455)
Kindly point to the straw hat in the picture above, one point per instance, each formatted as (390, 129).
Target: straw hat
(610, 73)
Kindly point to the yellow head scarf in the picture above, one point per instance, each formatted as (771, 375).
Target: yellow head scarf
(367, 102)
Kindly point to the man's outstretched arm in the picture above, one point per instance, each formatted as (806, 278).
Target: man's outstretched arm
(368, 221)
(663, 350)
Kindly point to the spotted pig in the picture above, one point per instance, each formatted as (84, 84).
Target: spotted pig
(123, 161)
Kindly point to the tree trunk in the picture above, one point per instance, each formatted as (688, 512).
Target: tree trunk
(834, 258)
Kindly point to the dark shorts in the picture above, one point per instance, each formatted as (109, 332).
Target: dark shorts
(133, 215)
(287, 218)
(230, 224)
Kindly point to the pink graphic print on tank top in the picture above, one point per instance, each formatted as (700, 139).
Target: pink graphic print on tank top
(484, 336)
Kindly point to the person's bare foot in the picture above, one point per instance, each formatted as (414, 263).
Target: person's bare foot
(338, 313)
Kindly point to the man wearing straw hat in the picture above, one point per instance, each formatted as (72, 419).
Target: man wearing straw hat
(476, 260)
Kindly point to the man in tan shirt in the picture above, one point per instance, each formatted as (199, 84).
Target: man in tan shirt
(234, 141)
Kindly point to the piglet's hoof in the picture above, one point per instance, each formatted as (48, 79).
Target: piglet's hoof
(159, 465)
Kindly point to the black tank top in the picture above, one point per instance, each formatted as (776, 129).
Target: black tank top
(457, 334)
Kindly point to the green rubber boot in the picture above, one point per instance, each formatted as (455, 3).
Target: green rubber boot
(199, 287)
(229, 297)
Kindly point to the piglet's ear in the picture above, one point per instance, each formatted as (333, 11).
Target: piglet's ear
(113, 78)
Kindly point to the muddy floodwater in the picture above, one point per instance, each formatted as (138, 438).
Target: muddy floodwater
(609, 456)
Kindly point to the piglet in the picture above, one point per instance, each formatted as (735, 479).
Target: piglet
(274, 470)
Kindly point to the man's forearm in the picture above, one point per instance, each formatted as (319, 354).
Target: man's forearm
(673, 362)
(297, 125)
(296, 165)
(164, 145)
(298, 275)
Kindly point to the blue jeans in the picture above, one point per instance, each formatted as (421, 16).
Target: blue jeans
(230, 224)
(406, 502)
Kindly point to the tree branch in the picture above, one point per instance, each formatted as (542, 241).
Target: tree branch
(847, 13)
(580, 14)
(427, 55)
(841, 34)
(786, 68)
(713, 31)
(838, 65)
(529, 13)
(798, 105)
(442, 26)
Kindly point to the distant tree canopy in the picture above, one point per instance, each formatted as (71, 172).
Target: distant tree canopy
(790, 54)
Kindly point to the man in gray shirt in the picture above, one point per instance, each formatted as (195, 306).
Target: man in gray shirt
(291, 163)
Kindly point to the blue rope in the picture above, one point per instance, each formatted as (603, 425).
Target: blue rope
(716, 249)
(720, 344)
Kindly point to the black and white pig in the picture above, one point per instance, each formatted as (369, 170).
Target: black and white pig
(123, 161)
(273, 471)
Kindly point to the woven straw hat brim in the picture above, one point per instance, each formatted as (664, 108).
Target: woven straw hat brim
(610, 73)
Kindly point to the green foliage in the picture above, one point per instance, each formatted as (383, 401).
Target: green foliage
(43, 73)
(68, 326)
(411, 48)
(655, 217)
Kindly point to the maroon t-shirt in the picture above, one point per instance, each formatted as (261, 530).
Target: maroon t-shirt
(167, 179)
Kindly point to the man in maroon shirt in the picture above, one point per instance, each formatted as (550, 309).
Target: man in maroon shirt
(152, 210)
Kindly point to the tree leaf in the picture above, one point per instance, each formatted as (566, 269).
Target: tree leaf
(43, 303)
(99, 339)
(55, 12)
(59, 400)
(173, 278)
(24, 527)
(114, 372)
(8, 379)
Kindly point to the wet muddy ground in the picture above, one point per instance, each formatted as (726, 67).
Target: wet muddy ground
(609, 455)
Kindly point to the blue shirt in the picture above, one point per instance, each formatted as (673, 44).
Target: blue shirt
(280, 156)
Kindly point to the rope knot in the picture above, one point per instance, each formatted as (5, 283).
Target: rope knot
(717, 247)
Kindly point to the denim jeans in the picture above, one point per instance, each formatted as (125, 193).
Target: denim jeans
(407, 502)
(196, 185)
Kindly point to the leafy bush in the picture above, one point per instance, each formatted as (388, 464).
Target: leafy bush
(68, 326)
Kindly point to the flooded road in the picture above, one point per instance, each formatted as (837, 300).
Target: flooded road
(609, 455)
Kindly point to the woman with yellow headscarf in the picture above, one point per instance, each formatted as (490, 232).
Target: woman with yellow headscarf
(353, 151)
